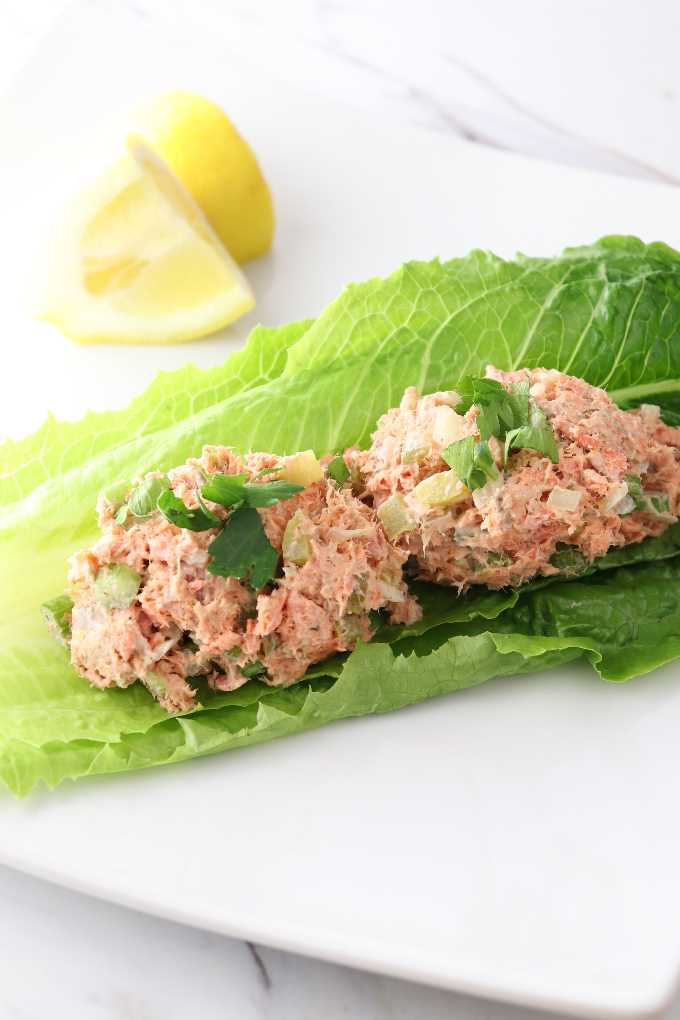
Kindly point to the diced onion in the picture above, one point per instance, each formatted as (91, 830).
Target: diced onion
(616, 493)
(449, 397)
(448, 426)
(625, 506)
(302, 468)
(650, 411)
(564, 499)
(163, 648)
(443, 489)
(395, 517)
(485, 494)
(409, 401)
(345, 534)
(414, 448)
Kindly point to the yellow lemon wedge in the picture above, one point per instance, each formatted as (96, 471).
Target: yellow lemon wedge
(138, 262)
(203, 149)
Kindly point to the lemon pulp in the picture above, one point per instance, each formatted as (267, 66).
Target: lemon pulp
(138, 262)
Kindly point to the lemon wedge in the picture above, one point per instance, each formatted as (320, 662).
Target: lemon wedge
(138, 262)
(203, 149)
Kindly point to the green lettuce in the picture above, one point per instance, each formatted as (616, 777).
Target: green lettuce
(609, 312)
(61, 446)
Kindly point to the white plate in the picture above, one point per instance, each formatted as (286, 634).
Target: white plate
(519, 840)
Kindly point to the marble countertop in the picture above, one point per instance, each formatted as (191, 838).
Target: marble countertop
(593, 84)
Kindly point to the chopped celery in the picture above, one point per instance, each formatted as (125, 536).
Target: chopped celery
(116, 586)
(155, 684)
(143, 499)
(395, 516)
(296, 546)
(115, 493)
(57, 615)
(647, 502)
(414, 448)
(442, 489)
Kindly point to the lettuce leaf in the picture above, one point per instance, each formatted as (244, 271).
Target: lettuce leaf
(625, 622)
(609, 312)
(374, 679)
(60, 446)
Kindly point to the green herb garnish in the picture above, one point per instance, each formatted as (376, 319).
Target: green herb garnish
(536, 435)
(471, 461)
(500, 410)
(243, 550)
(508, 415)
(236, 491)
(338, 470)
(197, 518)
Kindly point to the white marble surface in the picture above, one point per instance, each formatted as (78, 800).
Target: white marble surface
(595, 83)
(68, 956)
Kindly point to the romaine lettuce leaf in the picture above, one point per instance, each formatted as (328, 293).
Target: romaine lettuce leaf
(609, 312)
(60, 446)
(373, 679)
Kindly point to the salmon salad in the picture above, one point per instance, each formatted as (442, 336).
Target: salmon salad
(231, 567)
(472, 503)
(146, 606)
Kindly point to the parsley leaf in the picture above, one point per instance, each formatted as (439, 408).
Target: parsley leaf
(225, 489)
(338, 470)
(269, 493)
(536, 435)
(509, 415)
(243, 550)
(192, 518)
(471, 461)
(267, 471)
(236, 491)
(208, 513)
(500, 410)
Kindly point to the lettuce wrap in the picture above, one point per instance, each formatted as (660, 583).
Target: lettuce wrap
(609, 313)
